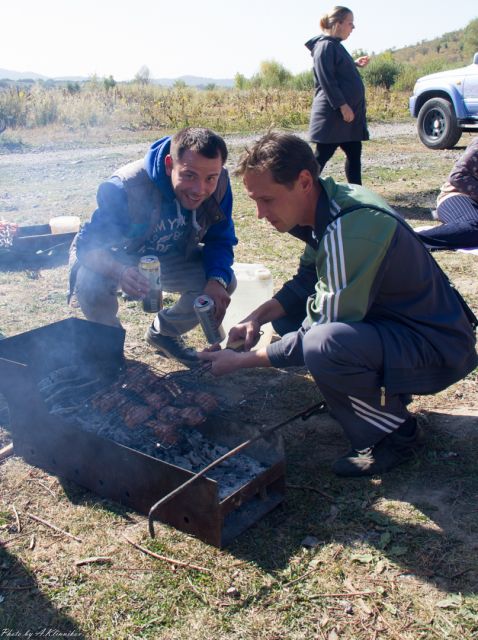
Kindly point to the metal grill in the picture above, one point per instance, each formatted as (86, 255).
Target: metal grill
(132, 433)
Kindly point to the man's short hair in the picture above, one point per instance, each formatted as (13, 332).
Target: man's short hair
(200, 140)
(283, 154)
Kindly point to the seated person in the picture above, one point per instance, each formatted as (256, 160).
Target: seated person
(457, 206)
(176, 204)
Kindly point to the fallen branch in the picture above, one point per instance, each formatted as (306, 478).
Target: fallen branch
(176, 563)
(307, 488)
(52, 526)
(93, 560)
(351, 594)
(6, 451)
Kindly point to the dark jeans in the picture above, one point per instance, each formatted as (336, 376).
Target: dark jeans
(459, 230)
(353, 152)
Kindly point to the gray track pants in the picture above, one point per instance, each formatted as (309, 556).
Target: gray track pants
(345, 361)
(97, 295)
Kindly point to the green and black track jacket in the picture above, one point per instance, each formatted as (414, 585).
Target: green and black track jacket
(367, 266)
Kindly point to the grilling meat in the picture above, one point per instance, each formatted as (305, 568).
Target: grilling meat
(134, 414)
(171, 415)
(156, 399)
(164, 431)
(107, 401)
(192, 416)
(206, 401)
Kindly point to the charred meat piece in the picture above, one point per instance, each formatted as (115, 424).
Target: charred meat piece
(165, 432)
(206, 401)
(192, 416)
(185, 399)
(156, 399)
(107, 401)
(135, 414)
(171, 415)
(140, 384)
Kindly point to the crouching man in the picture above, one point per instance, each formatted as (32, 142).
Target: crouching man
(176, 204)
(382, 321)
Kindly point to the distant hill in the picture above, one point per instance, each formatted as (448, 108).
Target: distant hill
(191, 81)
(8, 74)
(194, 81)
(446, 49)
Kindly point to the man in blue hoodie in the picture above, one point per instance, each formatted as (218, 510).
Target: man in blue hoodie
(176, 203)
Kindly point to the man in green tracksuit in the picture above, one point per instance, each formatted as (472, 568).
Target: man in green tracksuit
(381, 319)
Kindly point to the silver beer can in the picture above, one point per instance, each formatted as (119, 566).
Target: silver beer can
(204, 308)
(149, 267)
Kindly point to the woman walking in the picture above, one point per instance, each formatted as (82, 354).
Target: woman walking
(338, 117)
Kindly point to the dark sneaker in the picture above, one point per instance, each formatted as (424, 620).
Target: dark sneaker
(171, 347)
(385, 455)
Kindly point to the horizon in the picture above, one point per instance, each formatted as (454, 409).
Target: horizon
(50, 48)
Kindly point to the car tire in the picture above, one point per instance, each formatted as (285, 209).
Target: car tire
(437, 125)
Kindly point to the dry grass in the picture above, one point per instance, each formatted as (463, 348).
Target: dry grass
(396, 557)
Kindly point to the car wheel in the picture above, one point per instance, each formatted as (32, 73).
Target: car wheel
(437, 126)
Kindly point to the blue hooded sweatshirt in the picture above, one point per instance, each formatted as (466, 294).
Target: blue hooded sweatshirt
(111, 225)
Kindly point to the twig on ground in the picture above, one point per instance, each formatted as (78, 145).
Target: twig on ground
(177, 563)
(52, 526)
(307, 573)
(307, 488)
(17, 519)
(93, 560)
(350, 594)
(45, 486)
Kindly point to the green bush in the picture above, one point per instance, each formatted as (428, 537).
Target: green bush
(382, 71)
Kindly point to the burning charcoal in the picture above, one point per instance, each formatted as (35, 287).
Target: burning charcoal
(192, 416)
(206, 401)
(133, 415)
(170, 414)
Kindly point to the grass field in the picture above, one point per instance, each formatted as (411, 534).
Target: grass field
(394, 557)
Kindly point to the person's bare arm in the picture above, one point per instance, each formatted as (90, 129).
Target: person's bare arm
(228, 361)
(248, 330)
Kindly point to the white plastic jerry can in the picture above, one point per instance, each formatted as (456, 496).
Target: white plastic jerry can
(254, 287)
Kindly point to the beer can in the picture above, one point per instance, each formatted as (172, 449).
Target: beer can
(149, 267)
(204, 308)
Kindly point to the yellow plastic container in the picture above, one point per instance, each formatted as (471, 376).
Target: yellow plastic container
(65, 224)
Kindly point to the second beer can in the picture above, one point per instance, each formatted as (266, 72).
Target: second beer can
(204, 308)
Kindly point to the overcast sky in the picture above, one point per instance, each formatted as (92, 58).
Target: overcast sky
(212, 38)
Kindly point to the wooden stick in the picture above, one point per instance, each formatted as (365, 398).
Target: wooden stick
(17, 519)
(6, 451)
(177, 563)
(307, 488)
(351, 594)
(93, 560)
(52, 526)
